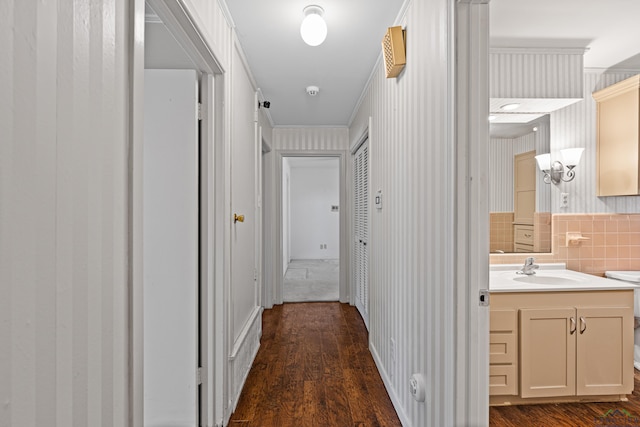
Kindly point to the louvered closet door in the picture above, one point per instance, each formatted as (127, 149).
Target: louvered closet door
(361, 229)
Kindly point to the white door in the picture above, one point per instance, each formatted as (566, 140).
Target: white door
(244, 183)
(170, 221)
(361, 229)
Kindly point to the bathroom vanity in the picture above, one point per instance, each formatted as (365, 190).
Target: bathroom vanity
(559, 336)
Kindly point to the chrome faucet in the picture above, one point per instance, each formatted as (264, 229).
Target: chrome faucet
(529, 267)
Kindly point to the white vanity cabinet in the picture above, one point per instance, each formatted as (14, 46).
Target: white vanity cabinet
(572, 346)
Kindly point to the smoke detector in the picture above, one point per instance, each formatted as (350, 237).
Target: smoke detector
(313, 90)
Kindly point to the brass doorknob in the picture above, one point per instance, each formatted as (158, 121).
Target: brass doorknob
(238, 218)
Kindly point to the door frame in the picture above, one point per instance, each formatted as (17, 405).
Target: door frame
(470, 128)
(213, 135)
(345, 291)
(469, 27)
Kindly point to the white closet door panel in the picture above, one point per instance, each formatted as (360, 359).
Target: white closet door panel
(361, 230)
(170, 248)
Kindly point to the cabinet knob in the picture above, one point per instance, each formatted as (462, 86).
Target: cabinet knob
(238, 218)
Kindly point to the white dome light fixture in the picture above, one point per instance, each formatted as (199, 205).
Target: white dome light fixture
(313, 29)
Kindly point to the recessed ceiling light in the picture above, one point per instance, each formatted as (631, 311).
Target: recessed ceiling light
(509, 107)
(535, 128)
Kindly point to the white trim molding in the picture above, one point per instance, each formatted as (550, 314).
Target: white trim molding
(472, 245)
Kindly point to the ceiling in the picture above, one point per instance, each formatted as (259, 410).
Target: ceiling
(283, 65)
(606, 28)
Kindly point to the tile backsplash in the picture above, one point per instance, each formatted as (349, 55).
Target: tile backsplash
(501, 231)
(613, 243)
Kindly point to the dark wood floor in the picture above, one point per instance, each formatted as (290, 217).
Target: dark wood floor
(570, 414)
(314, 369)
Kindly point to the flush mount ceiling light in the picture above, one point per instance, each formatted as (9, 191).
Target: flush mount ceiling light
(509, 107)
(313, 29)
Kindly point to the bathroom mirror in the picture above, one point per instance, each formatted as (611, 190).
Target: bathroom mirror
(519, 200)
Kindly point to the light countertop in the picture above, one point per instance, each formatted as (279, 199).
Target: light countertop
(549, 278)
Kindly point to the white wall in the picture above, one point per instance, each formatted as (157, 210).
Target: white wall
(575, 126)
(501, 180)
(64, 152)
(66, 268)
(315, 187)
(412, 282)
(311, 139)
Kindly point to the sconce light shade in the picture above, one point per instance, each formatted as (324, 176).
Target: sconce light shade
(313, 29)
(544, 161)
(571, 156)
(555, 172)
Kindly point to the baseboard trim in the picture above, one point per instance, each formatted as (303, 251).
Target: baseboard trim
(237, 345)
(241, 359)
(390, 390)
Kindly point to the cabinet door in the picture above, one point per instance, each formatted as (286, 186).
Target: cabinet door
(547, 352)
(605, 351)
(617, 144)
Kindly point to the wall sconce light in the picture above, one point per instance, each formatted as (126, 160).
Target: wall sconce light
(313, 29)
(554, 172)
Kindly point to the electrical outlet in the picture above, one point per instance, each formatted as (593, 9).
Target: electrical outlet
(564, 200)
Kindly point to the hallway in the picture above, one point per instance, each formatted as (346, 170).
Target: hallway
(312, 280)
(314, 369)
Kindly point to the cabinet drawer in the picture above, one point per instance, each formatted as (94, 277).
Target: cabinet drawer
(502, 348)
(523, 234)
(503, 338)
(502, 320)
(503, 380)
(520, 248)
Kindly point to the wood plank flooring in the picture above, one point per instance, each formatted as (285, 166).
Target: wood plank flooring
(314, 368)
(570, 414)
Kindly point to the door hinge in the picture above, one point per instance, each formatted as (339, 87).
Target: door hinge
(484, 298)
(199, 111)
(199, 375)
(255, 274)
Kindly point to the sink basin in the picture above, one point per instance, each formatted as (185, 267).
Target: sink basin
(546, 280)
